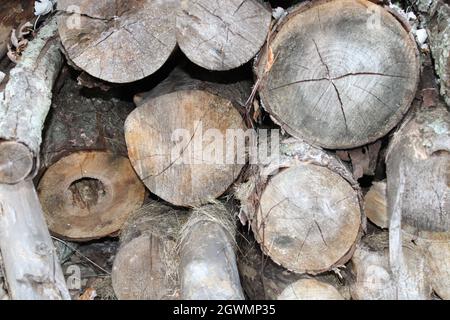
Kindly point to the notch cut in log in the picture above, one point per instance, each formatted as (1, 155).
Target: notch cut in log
(118, 41)
(208, 267)
(177, 138)
(262, 279)
(88, 187)
(24, 105)
(222, 35)
(302, 203)
(30, 261)
(329, 75)
(146, 265)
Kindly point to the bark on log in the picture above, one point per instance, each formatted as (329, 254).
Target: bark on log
(262, 279)
(374, 279)
(177, 138)
(418, 162)
(222, 35)
(310, 203)
(435, 14)
(208, 267)
(31, 265)
(89, 187)
(3, 292)
(14, 13)
(24, 105)
(118, 41)
(146, 265)
(318, 82)
(375, 205)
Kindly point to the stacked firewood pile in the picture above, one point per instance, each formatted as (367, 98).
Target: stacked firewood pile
(225, 150)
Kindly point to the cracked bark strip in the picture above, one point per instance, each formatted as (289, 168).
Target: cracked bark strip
(369, 95)
(222, 35)
(140, 37)
(192, 167)
(24, 105)
(296, 204)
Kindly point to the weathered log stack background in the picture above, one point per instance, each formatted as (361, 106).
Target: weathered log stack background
(116, 181)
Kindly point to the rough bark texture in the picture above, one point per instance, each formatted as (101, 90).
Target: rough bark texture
(89, 187)
(31, 265)
(146, 265)
(262, 279)
(208, 267)
(118, 41)
(418, 164)
(374, 278)
(224, 34)
(26, 100)
(301, 203)
(340, 74)
(177, 138)
(14, 14)
(375, 204)
(436, 16)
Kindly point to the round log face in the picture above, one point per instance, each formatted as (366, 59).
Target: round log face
(89, 195)
(310, 289)
(181, 155)
(339, 74)
(222, 35)
(16, 162)
(304, 211)
(118, 41)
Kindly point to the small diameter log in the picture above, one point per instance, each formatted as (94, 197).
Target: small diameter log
(435, 14)
(262, 279)
(208, 267)
(303, 203)
(118, 41)
(375, 205)
(224, 34)
(374, 279)
(24, 105)
(146, 265)
(178, 138)
(89, 187)
(339, 74)
(29, 258)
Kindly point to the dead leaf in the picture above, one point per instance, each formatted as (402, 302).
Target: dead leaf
(89, 294)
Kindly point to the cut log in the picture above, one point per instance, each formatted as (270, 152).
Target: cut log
(222, 35)
(330, 76)
(310, 204)
(31, 265)
(25, 103)
(374, 279)
(89, 187)
(14, 14)
(438, 262)
(435, 14)
(146, 266)
(262, 279)
(3, 292)
(118, 41)
(375, 205)
(208, 267)
(310, 289)
(418, 162)
(178, 139)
